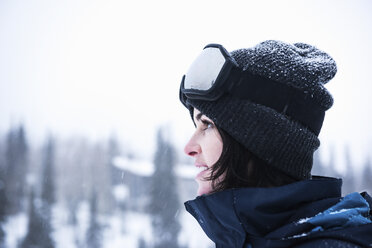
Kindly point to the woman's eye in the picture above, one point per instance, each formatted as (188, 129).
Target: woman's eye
(207, 125)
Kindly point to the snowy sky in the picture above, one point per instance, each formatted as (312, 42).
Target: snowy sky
(99, 67)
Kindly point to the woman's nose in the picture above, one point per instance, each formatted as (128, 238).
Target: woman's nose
(192, 147)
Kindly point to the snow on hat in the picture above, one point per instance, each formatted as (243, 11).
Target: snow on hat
(273, 136)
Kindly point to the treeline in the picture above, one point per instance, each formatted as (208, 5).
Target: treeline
(35, 181)
(355, 178)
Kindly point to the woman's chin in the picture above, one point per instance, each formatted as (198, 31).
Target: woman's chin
(203, 191)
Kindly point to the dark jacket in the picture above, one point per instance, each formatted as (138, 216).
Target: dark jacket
(309, 213)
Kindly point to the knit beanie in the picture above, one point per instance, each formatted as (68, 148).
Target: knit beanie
(275, 136)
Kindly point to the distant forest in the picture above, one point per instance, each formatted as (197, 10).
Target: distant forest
(34, 180)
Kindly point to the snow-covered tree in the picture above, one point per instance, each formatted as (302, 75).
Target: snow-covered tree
(72, 170)
(367, 176)
(48, 176)
(15, 169)
(100, 174)
(113, 151)
(141, 243)
(93, 235)
(330, 170)
(2, 205)
(39, 226)
(39, 229)
(164, 201)
(349, 177)
(318, 166)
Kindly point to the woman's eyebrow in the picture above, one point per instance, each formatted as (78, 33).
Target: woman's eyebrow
(198, 116)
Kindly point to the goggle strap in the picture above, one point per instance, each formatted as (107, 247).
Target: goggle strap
(295, 103)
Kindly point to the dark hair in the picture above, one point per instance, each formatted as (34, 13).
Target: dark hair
(239, 168)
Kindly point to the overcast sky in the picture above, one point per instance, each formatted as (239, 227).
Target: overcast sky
(99, 67)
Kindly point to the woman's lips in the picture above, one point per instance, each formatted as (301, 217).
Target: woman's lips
(203, 170)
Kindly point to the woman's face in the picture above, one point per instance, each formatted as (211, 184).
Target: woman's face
(205, 146)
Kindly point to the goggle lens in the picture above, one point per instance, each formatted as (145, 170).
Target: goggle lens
(204, 71)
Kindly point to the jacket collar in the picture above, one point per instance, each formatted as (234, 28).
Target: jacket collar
(228, 216)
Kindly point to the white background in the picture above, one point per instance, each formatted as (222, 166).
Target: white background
(94, 68)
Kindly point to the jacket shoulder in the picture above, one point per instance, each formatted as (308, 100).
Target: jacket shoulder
(351, 237)
(327, 243)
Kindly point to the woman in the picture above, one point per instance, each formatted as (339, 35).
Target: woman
(257, 113)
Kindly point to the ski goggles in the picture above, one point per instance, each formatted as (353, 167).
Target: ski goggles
(209, 75)
(215, 73)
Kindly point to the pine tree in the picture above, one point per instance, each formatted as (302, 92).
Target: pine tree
(72, 160)
(15, 169)
(113, 151)
(48, 177)
(367, 176)
(39, 229)
(2, 237)
(141, 243)
(164, 202)
(93, 235)
(318, 166)
(2, 206)
(330, 170)
(101, 175)
(349, 178)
